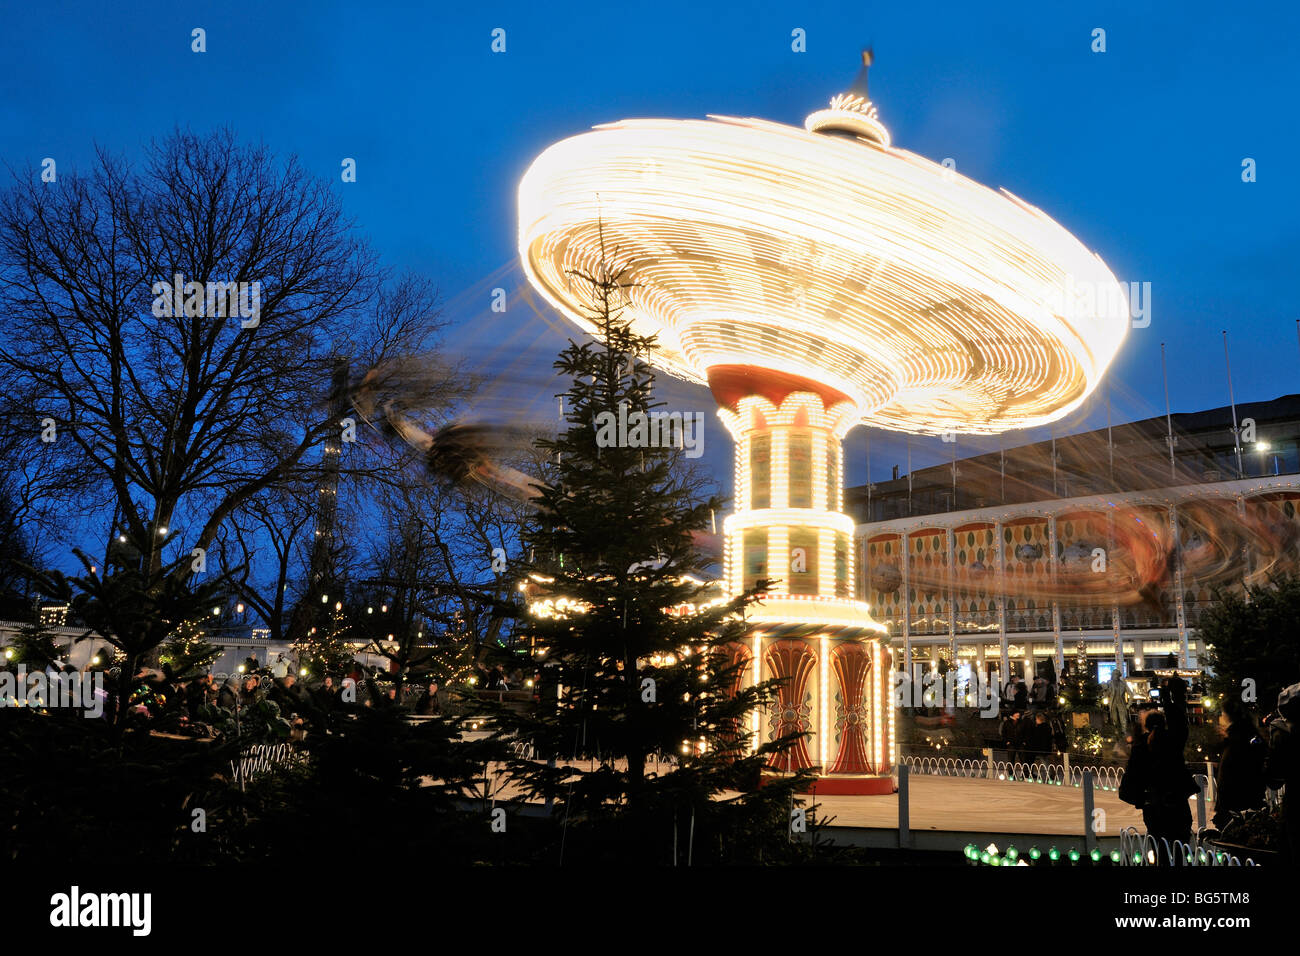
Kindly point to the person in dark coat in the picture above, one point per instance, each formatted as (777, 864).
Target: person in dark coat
(427, 705)
(1021, 700)
(1010, 731)
(1282, 766)
(1039, 693)
(1041, 745)
(1239, 783)
(290, 696)
(320, 702)
(1024, 737)
(1008, 696)
(251, 691)
(228, 696)
(1158, 781)
(326, 694)
(198, 695)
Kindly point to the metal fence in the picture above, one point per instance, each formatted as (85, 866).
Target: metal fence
(1142, 849)
(1057, 774)
(260, 759)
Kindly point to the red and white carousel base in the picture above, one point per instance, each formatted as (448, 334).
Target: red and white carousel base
(837, 691)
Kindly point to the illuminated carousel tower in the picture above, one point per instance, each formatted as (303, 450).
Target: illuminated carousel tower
(816, 279)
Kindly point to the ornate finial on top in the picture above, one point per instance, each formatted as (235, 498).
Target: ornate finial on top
(860, 84)
(852, 113)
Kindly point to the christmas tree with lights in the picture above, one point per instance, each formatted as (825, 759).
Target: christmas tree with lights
(644, 705)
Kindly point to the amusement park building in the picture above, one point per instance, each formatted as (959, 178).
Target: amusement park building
(1099, 545)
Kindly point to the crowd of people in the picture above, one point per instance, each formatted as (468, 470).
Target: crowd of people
(208, 705)
(1019, 697)
(201, 705)
(1032, 735)
(1031, 728)
(1253, 760)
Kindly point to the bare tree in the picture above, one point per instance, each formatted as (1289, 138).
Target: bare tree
(262, 551)
(176, 411)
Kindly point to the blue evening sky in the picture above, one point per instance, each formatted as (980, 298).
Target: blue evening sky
(1137, 150)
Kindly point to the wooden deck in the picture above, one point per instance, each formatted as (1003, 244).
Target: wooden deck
(982, 806)
(949, 812)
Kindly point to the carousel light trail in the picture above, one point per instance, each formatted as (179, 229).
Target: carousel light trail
(933, 302)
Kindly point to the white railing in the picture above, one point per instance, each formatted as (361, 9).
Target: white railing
(263, 758)
(1142, 849)
(1108, 778)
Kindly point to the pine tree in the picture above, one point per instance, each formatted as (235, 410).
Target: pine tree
(188, 653)
(634, 682)
(133, 608)
(1251, 640)
(34, 646)
(325, 650)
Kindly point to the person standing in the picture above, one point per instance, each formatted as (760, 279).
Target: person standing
(326, 699)
(427, 706)
(198, 695)
(1158, 782)
(1282, 767)
(1010, 731)
(1173, 699)
(1038, 696)
(251, 692)
(1041, 744)
(1025, 738)
(1118, 697)
(1239, 783)
(228, 696)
